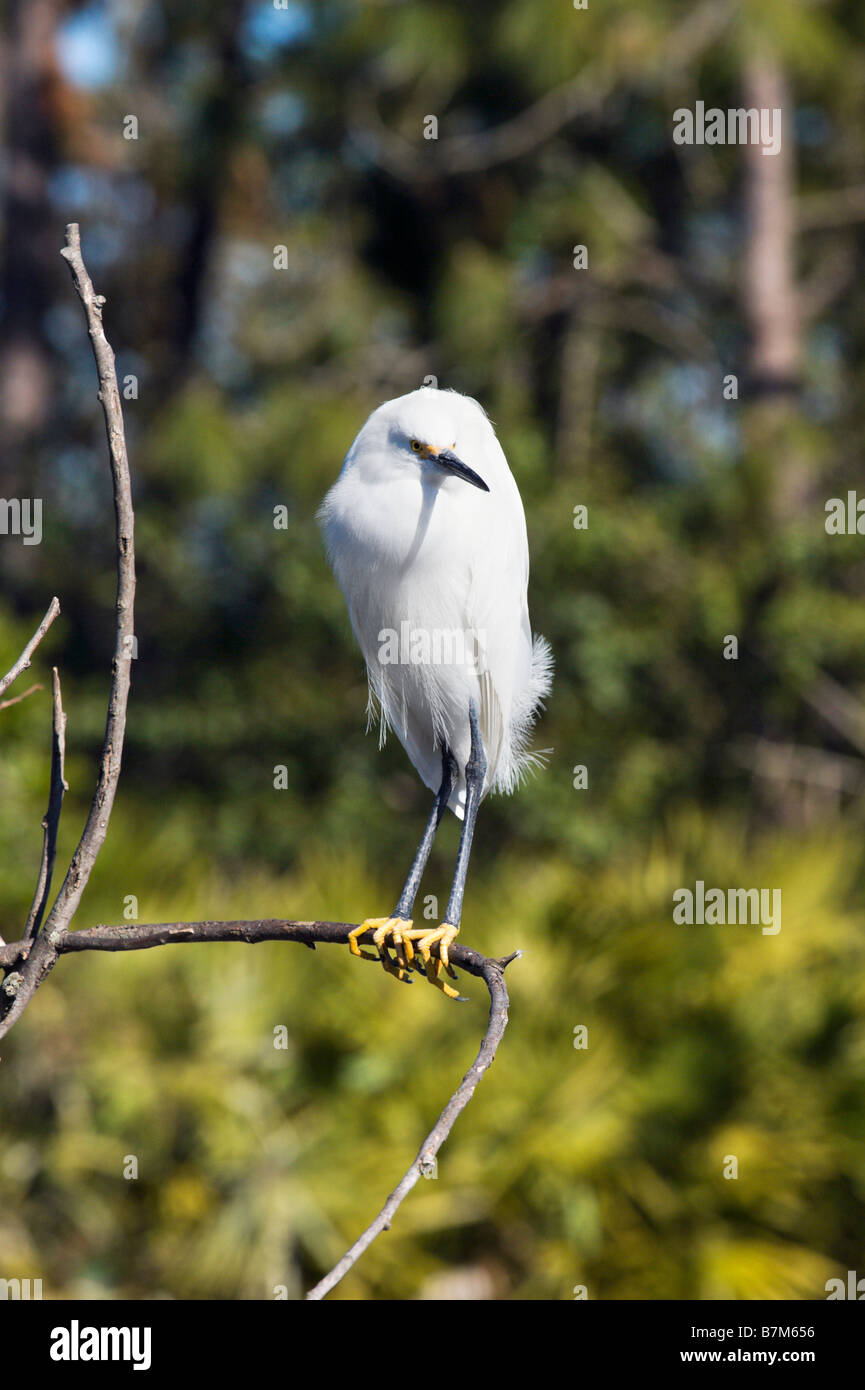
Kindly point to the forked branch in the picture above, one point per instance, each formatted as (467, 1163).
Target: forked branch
(24, 659)
(40, 952)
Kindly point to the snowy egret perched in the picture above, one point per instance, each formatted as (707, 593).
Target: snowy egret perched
(426, 535)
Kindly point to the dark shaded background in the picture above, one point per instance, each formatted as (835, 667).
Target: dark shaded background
(404, 257)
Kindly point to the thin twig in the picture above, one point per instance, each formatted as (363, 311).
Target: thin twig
(51, 820)
(841, 710)
(424, 1164)
(24, 659)
(16, 699)
(460, 154)
(43, 955)
(834, 208)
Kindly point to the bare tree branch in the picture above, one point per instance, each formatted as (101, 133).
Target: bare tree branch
(24, 659)
(424, 1163)
(16, 699)
(836, 208)
(43, 954)
(51, 819)
(521, 134)
(461, 154)
(829, 279)
(142, 936)
(791, 762)
(841, 710)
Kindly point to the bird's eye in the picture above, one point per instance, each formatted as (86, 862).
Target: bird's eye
(416, 445)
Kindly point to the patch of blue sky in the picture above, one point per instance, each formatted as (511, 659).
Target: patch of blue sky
(77, 189)
(87, 49)
(271, 26)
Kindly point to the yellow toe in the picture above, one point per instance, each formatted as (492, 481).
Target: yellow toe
(386, 930)
(368, 925)
(443, 937)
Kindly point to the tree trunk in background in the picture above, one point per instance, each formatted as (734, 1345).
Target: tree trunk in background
(29, 82)
(770, 300)
(769, 280)
(220, 118)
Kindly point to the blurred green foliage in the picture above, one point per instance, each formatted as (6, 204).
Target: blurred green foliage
(604, 1166)
(600, 1166)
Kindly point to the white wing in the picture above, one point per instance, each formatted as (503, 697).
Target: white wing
(498, 610)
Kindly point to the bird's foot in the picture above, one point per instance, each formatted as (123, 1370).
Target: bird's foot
(442, 937)
(398, 929)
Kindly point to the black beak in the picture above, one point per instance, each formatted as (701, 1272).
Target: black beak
(449, 463)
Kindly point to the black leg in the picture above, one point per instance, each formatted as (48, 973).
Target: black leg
(476, 768)
(405, 905)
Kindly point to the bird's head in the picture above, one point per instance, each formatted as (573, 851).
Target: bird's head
(443, 459)
(424, 430)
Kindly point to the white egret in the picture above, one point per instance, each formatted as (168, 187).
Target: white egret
(426, 535)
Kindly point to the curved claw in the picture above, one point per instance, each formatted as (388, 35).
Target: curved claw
(442, 937)
(433, 974)
(353, 935)
(393, 967)
(383, 927)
